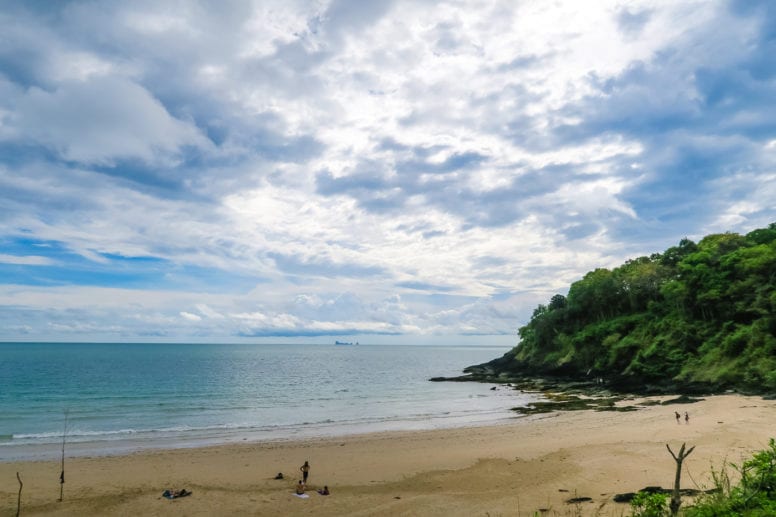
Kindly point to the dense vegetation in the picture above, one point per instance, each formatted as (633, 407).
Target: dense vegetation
(753, 496)
(695, 316)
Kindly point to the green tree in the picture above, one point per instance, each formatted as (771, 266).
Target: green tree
(700, 313)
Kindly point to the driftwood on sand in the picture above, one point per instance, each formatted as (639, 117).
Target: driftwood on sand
(19, 499)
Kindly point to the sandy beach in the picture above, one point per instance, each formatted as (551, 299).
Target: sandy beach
(535, 463)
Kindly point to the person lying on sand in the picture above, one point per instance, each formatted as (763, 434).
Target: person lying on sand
(173, 494)
(324, 490)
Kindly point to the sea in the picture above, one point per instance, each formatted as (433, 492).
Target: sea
(109, 398)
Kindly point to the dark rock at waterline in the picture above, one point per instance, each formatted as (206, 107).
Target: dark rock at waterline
(681, 399)
(566, 393)
(506, 370)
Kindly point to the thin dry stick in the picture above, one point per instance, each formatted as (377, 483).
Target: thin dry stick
(62, 473)
(19, 500)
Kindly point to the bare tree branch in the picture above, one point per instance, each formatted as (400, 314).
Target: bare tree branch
(676, 496)
(19, 500)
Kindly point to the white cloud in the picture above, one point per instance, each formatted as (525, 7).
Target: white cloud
(387, 167)
(27, 260)
(102, 120)
(190, 317)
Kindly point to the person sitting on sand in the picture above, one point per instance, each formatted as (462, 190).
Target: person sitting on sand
(300, 488)
(324, 490)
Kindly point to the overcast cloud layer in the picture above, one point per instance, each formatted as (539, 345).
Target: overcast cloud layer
(386, 171)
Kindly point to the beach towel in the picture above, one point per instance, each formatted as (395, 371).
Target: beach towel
(302, 496)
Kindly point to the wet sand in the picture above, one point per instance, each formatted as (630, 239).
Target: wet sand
(519, 468)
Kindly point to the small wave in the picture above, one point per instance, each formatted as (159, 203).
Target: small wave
(84, 435)
(71, 434)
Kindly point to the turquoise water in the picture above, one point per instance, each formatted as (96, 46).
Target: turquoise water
(125, 397)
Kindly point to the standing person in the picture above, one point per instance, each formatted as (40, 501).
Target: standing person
(678, 416)
(686, 417)
(305, 471)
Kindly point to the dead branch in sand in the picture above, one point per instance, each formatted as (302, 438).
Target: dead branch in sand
(62, 473)
(676, 498)
(19, 500)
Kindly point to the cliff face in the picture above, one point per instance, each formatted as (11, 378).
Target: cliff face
(697, 317)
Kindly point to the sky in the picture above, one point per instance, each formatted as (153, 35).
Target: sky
(383, 172)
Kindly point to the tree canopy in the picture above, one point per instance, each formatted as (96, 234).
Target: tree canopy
(699, 314)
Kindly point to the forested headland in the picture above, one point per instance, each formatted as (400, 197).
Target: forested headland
(696, 317)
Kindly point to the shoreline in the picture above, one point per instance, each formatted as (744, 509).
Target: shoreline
(125, 447)
(538, 461)
(167, 396)
(156, 440)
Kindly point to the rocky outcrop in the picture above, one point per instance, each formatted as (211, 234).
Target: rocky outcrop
(508, 370)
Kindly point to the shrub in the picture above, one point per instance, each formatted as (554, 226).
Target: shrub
(645, 504)
(754, 496)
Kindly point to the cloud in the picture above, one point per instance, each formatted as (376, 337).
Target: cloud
(102, 121)
(633, 22)
(710, 123)
(30, 260)
(342, 168)
(321, 266)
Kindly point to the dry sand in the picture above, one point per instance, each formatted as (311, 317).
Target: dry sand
(534, 463)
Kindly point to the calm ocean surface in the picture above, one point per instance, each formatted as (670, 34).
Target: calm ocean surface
(126, 397)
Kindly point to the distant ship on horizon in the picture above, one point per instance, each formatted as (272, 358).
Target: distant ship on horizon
(344, 343)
